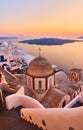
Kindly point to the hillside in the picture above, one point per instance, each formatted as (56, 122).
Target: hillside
(6, 38)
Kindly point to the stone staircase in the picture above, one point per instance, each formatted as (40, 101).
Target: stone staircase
(23, 125)
(10, 120)
(10, 78)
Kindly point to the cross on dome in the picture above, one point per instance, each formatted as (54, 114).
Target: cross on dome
(39, 52)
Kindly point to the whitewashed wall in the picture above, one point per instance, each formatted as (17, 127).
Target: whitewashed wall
(16, 100)
(55, 118)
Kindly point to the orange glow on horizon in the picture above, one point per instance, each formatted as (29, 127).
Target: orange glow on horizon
(41, 18)
(43, 30)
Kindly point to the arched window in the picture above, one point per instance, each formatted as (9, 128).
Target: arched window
(24, 71)
(73, 76)
(64, 103)
(40, 84)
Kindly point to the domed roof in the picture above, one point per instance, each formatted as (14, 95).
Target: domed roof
(40, 67)
(53, 98)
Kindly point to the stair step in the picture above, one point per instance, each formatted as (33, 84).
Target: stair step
(12, 121)
(23, 125)
(9, 113)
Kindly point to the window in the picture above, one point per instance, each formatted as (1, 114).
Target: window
(44, 123)
(74, 95)
(40, 84)
(24, 71)
(73, 76)
(64, 103)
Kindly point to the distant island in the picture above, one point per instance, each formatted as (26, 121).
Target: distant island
(6, 38)
(49, 41)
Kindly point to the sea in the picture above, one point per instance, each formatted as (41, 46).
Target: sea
(66, 56)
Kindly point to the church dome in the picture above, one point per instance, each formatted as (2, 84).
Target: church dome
(40, 67)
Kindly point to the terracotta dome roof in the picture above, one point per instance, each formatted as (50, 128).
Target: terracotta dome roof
(53, 98)
(40, 67)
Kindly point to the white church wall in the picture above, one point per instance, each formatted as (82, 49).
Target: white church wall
(50, 81)
(29, 81)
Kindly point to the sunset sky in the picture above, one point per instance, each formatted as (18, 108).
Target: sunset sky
(41, 18)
